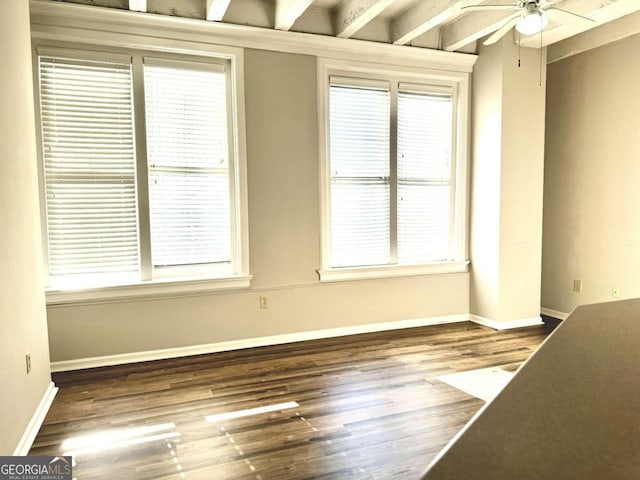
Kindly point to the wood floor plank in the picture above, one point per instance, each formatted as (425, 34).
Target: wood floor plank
(370, 407)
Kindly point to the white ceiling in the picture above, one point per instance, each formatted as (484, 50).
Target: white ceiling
(438, 24)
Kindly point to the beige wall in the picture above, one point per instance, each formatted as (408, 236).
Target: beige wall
(507, 183)
(486, 121)
(283, 171)
(592, 177)
(22, 312)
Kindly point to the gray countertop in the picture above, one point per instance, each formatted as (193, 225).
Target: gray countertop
(571, 412)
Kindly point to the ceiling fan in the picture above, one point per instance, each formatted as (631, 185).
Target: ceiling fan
(532, 16)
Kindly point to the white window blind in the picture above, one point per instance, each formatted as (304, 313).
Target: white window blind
(359, 175)
(89, 167)
(188, 164)
(425, 126)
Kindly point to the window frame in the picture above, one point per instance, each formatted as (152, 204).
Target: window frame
(418, 79)
(187, 280)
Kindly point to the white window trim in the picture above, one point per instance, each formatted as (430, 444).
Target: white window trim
(343, 274)
(458, 81)
(174, 51)
(149, 289)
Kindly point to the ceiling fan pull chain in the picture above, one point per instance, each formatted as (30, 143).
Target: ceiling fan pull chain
(519, 47)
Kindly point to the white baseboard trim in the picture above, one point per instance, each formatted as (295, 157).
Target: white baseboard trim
(29, 435)
(119, 359)
(506, 324)
(554, 313)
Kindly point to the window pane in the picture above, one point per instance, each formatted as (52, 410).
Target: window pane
(191, 213)
(424, 177)
(188, 159)
(424, 136)
(359, 132)
(89, 167)
(359, 223)
(359, 162)
(423, 223)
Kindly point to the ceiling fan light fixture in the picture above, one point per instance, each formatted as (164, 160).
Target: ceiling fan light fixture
(532, 22)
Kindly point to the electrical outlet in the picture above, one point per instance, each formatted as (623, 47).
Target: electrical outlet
(264, 303)
(615, 292)
(577, 286)
(27, 358)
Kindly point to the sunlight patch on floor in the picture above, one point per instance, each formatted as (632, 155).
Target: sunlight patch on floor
(118, 438)
(483, 383)
(249, 412)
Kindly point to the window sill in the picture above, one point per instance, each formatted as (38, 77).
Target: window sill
(390, 271)
(155, 288)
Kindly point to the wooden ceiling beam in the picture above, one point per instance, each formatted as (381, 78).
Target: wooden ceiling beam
(352, 15)
(424, 16)
(138, 5)
(216, 9)
(470, 28)
(288, 11)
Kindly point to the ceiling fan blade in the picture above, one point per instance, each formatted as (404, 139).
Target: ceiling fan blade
(501, 32)
(480, 8)
(558, 15)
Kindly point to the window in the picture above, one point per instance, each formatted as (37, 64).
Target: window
(140, 170)
(394, 180)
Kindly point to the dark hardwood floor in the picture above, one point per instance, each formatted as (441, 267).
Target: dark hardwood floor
(370, 407)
